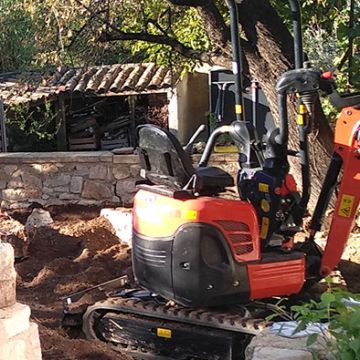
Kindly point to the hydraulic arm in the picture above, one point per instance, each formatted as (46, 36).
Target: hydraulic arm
(346, 157)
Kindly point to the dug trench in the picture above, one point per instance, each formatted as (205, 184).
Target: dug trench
(81, 250)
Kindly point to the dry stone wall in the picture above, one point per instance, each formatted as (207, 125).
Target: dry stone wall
(84, 178)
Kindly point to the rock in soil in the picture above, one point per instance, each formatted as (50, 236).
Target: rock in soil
(12, 232)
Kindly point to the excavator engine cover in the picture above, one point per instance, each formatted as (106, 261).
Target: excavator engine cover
(193, 250)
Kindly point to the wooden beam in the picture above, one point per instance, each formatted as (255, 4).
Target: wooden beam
(3, 128)
(132, 99)
(61, 137)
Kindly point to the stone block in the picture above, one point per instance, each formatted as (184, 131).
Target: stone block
(268, 345)
(20, 194)
(115, 199)
(106, 157)
(58, 180)
(99, 172)
(126, 159)
(61, 189)
(54, 202)
(9, 169)
(2, 184)
(125, 189)
(96, 190)
(7, 256)
(18, 205)
(66, 196)
(14, 350)
(135, 170)
(7, 276)
(76, 184)
(121, 172)
(121, 221)
(270, 353)
(15, 183)
(14, 320)
(31, 180)
(81, 170)
(33, 346)
(7, 293)
(48, 190)
(23, 346)
(45, 169)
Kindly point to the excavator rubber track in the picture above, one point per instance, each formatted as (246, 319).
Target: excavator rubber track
(149, 329)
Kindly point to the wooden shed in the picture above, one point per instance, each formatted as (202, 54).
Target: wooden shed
(99, 107)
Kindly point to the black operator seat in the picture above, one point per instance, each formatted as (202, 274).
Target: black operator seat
(164, 162)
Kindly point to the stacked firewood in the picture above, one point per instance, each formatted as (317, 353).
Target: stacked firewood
(83, 131)
(116, 134)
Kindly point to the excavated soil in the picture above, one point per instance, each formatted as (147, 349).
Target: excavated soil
(81, 250)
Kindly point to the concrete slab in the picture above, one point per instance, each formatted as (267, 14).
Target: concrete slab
(24, 346)
(13, 321)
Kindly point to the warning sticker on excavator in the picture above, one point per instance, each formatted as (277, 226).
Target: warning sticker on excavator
(264, 228)
(346, 205)
(165, 333)
(263, 187)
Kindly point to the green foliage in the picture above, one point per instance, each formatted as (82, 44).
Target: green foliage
(326, 36)
(72, 33)
(33, 121)
(16, 36)
(342, 339)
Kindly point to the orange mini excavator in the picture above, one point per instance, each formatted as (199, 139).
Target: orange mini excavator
(205, 260)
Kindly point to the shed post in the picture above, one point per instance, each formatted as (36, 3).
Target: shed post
(2, 126)
(61, 124)
(132, 107)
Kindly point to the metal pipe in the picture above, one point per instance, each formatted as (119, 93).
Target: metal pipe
(211, 143)
(283, 137)
(237, 66)
(351, 39)
(298, 45)
(255, 101)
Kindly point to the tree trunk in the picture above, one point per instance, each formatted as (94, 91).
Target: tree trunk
(269, 53)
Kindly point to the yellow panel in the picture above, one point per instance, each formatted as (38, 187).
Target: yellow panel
(226, 149)
(238, 109)
(264, 227)
(165, 333)
(265, 205)
(263, 187)
(346, 205)
(302, 109)
(300, 119)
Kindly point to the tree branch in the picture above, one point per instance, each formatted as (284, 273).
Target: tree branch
(180, 48)
(117, 35)
(192, 3)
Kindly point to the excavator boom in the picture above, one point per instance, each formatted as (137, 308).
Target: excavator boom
(346, 154)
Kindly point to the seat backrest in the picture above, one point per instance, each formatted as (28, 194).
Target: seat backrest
(162, 158)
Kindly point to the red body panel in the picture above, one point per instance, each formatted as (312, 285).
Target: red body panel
(159, 216)
(347, 146)
(277, 278)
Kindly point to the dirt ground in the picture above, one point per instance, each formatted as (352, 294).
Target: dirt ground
(81, 250)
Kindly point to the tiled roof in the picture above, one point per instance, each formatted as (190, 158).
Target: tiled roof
(119, 79)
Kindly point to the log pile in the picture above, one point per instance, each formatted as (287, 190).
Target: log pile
(83, 131)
